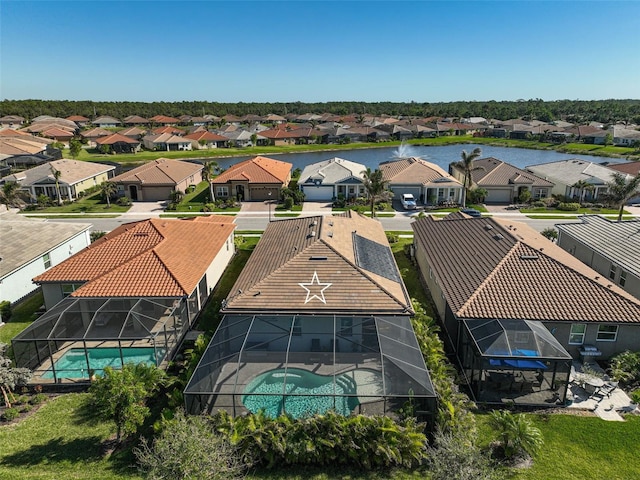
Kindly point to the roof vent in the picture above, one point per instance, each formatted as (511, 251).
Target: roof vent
(488, 227)
(597, 278)
(141, 234)
(312, 234)
(257, 293)
(498, 236)
(314, 223)
(330, 234)
(317, 258)
(331, 223)
(528, 257)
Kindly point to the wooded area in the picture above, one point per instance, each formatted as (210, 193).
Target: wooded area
(575, 111)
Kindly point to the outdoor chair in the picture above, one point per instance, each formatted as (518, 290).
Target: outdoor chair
(607, 389)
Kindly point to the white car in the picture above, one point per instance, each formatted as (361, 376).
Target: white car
(408, 201)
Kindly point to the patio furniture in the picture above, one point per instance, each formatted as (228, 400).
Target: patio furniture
(607, 389)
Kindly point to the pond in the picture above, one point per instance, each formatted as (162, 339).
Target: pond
(440, 155)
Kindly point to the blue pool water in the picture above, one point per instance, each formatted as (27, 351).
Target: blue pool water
(73, 364)
(305, 393)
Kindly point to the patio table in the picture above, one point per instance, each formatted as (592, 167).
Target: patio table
(594, 381)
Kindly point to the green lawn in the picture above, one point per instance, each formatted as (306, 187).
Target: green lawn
(578, 447)
(194, 201)
(62, 440)
(89, 204)
(23, 314)
(581, 211)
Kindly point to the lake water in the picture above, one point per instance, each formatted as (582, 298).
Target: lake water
(442, 156)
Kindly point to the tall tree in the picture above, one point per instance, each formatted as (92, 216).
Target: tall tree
(56, 175)
(467, 166)
(75, 147)
(208, 174)
(620, 190)
(108, 189)
(375, 186)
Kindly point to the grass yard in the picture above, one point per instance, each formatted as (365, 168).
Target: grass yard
(194, 201)
(90, 204)
(579, 447)
(23, 314)
(581, 211)
(62, 440)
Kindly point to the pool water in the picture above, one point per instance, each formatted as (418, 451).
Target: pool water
(73, 364)
(305, 393)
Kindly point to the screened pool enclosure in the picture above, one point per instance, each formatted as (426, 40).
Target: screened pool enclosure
(81, 336)
(305, 364)
(514, 361)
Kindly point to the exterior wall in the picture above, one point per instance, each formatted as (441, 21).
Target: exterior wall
(91, 182)
(219, 264)
(432, 283)
(628, 338)
(18, 284)
(599, 263)
(52, 293)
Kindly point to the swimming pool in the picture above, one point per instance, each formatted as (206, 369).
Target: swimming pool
(73, 364)
(300, 393)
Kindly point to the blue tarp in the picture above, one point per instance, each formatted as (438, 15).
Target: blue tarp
(517, 363)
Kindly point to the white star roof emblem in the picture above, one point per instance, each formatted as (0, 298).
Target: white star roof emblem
(315, 289)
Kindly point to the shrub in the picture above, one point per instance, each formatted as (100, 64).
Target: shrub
(550, 233)
(635, 396)
(569, 207)
(625, 367)
(539, 204)
(26, 408)
(288, 203)
(516, 433)
(208, 207)
(124, 201)
(361, 441)
(5, 310)
(382, 206)
(38, 398)
(10, 414)
(21, 399)
(392, 238)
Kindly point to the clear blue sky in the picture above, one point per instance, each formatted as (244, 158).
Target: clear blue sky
(268, 51)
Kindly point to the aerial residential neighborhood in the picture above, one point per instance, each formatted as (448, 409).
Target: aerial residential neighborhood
(319, 240)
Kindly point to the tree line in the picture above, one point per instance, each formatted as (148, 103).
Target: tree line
(575, 111)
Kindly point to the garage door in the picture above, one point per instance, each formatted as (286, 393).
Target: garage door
(498, 196)
(318, 193)
(398, 191)
(262, 193)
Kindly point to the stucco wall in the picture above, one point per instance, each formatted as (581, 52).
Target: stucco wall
(628, 338)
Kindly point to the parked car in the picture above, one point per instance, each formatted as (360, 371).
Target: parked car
(472, 212)
(408, 201)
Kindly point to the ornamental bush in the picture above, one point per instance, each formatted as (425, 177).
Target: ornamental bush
(569, 207)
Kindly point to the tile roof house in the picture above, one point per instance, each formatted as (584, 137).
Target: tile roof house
(118, 143)
(509, 299)
(75, 177)
(610, 248)
(135, 120)
(11, 121)
(93, 134)
(326, 180)
(106, 122)
(206, 139)
(16, 142)
(504, 182)
(322, 295)
(79, 120)
(29, 247)
(167, 141)
(164, 120)
(155, 180)
(137, 290)
(566, 173)
(426, 181)
(256, 179)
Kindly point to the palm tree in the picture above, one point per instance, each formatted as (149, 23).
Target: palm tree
(582, 186)
(516, 433)
(374, 185)
(108, 189)
(466, 165)
(11, 195)
(56, 175)
(208, 173)
(620, 190)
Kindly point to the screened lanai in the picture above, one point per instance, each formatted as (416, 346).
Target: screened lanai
(517, 361)
(79, 337)
(306, 364)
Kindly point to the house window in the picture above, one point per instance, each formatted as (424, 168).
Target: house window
(46, 258)
(576, 337)
(623, 278)
(612, 272)
(222, 191)
(607, 333)
(69, 288)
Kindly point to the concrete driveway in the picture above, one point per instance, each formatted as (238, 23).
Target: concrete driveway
(316, 208)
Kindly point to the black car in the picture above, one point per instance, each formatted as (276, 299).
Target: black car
(472, 212)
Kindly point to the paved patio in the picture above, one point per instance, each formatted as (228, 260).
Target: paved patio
(606, 407)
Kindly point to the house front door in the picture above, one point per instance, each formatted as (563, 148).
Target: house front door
(133, 192)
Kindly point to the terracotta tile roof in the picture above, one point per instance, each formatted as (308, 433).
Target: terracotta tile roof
(630, 168)
(132, 131)
(77, 118)
(156, 257)
(494, 268)
(162, 171)
(71, 172)
(96, 133)
(55, 132)
(292, 269)
(136, 119)
(257, 170)
(414, 171)
(107, 120)
(164, 119)
(167, 129)
(494, 172)
(115, 138)
(207, 136)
